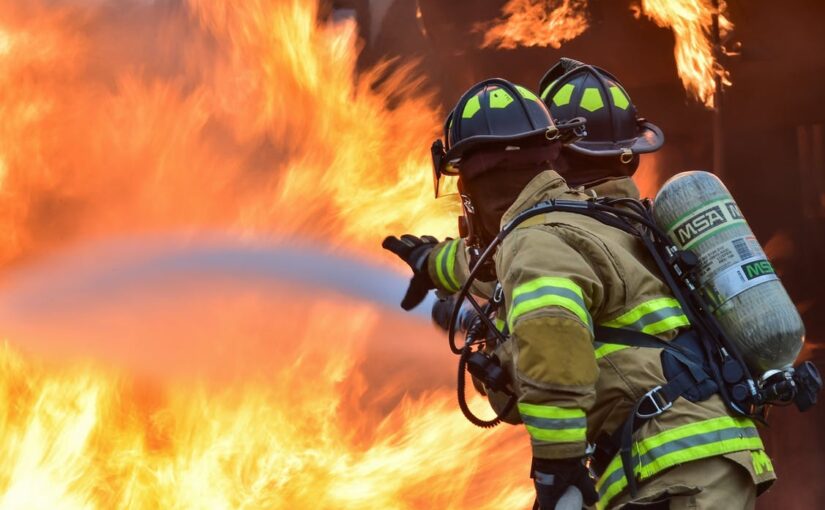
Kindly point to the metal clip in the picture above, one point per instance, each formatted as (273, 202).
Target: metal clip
(552, 133)
(498, 294)
(627, 156)
(660, 408)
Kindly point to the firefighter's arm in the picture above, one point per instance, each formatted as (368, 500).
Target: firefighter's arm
(449, 268)
(550, 289)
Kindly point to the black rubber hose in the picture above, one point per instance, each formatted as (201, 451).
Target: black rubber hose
(462, 396)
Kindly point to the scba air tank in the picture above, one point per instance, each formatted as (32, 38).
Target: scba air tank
(753, 308)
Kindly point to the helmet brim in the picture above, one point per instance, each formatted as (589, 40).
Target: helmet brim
(650, 139)
(452, 159)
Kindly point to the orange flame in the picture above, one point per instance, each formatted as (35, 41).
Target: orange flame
(233, 116)
(246, 116)
(324, 430)
(691, 22)
(536, 23)
(542, 23)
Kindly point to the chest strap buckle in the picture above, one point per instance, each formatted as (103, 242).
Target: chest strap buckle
(658, 403)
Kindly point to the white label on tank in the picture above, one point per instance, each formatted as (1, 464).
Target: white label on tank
(704, 221)
(739, 278)
(727, 254)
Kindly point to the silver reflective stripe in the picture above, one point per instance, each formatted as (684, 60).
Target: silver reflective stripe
(554, 423)
(654, 317)
(544, 291)
(696, 440)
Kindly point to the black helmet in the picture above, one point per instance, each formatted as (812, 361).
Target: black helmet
(574, 89)
(493, 112)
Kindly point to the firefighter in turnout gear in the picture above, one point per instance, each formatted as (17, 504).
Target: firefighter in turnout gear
(567, 276)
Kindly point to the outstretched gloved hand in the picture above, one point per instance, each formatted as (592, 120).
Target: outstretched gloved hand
(414, 251)
(554, 479)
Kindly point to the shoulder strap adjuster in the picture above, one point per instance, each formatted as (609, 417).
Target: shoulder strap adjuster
(659, 404)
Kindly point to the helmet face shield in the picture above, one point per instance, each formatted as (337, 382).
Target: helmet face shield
(444, 184)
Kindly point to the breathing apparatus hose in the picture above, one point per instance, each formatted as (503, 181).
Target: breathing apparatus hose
(462, 396)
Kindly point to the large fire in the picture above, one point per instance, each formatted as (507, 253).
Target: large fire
(240, 115)
(122, 119)
(551, 23)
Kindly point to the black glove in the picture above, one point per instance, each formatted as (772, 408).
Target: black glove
(414, 251)
(552, 478)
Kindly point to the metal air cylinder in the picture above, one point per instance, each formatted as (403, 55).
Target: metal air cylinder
(750, 303)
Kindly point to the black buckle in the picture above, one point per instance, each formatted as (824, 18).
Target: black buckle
(659, 407)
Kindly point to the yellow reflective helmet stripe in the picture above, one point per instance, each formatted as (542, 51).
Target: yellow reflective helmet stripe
(551, 424)
(562, 97)
(547, 89)
(591, 99)
(548, 291)
(652, 455)
(526, 93)
(472, 107)
(499, 98)
(619, 98)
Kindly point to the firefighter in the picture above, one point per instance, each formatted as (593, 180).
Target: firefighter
(564, 274)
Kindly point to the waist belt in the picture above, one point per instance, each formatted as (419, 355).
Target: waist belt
(686, 375)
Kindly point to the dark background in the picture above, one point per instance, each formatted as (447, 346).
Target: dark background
(773, 139)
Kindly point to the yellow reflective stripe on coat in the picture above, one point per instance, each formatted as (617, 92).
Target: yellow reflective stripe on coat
(652, 317)
(548, 291)
(652, 455)
(445, 266)
(551, 424)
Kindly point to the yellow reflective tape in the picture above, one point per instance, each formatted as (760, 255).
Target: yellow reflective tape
(548, 300)
(698, 452)
(691, 429)
(615, 488)
(562, 97)
(682, 455)
(606, 349)
(548, 281)
(451, 265)
(500, 324)
(471, 107)
(591, 99)
(547, 89)
(526, 93)
(439, 260)
(540, 411)
(761, 462)
(499, 98)
(667, 324)
(619, 98)
(557, 436)
(641, 310)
